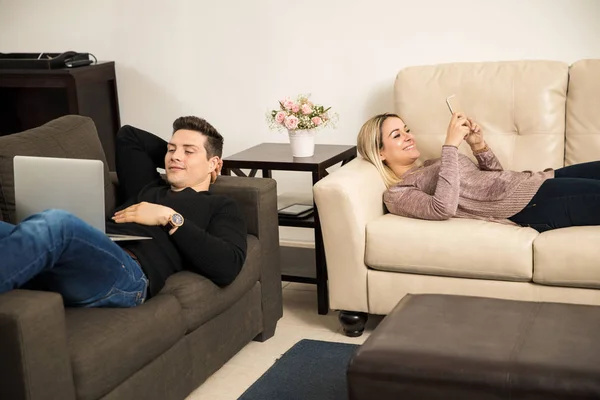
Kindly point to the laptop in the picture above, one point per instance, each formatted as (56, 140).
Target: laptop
(73, 185)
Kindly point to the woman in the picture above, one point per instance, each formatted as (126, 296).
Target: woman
(454, 186)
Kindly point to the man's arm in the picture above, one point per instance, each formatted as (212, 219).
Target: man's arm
(218, 252)
(138, 154)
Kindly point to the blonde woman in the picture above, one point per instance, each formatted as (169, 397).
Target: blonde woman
(454, 186)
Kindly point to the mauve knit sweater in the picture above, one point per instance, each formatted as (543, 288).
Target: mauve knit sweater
(454, 186)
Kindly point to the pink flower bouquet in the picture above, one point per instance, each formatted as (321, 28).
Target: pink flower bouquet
(300, 114)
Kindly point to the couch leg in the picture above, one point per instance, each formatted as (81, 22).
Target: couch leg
(267, 333)
(353, 322)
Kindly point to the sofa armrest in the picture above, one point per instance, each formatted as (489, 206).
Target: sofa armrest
(257, 198)
(33, 347)
(347, 200)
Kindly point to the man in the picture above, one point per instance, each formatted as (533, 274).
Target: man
(190, 227)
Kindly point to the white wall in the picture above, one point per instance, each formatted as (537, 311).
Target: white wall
(230, 61)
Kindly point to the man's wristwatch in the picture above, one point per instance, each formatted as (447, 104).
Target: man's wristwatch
(175, 221)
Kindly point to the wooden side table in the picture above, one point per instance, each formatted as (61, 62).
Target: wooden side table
(269, 157)
(31, 97)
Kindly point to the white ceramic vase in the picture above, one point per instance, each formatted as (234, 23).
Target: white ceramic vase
(302, 142)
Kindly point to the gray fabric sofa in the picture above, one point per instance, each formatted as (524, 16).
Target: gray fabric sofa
(162, 349)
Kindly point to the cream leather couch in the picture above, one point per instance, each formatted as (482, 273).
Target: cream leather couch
(535, 115)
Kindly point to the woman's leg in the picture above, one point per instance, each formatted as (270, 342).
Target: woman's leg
(560, 203)
(76, 260)
(589, 170)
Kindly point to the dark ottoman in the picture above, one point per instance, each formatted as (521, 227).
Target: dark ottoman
(457, 347)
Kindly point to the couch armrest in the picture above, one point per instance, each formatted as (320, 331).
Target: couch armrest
(33, 347)
(347, 200)
(257, 198)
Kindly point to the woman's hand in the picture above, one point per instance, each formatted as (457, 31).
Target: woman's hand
(458, 129)
(475, 137)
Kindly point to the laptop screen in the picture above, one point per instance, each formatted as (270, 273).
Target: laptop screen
(73, 185)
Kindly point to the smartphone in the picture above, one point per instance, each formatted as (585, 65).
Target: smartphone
(454, 105)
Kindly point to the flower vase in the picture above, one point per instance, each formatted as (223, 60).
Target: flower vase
(302, 142)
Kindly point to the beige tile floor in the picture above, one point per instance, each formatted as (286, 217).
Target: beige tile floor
(300, 321)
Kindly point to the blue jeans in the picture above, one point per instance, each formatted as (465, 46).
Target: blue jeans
(68, 256)
(572, 198)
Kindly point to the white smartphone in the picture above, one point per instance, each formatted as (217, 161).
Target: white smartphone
(454, 104)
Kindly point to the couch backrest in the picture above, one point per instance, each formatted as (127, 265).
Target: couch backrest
(519, 104)
(71, 136)
(583, 113)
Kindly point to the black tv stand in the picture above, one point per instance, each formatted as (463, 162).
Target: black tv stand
(31, 97)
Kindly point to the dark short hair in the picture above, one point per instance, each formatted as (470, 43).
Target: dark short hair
(214, 140)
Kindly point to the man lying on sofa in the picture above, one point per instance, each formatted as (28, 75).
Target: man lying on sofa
(190, 227)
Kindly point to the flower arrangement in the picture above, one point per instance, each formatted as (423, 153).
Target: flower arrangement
(300, 114)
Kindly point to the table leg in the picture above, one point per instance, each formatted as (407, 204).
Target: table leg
(322, 291)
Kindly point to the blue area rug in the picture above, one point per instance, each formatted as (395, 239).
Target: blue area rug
(310, 370)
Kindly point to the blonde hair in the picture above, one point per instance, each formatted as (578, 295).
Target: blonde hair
(370, 143)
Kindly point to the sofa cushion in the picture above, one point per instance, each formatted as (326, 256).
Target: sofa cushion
(71, 136)
(568, 257)
(202, 300)
(583, 118)
(108, 345)
(456, 247)
(520, 106)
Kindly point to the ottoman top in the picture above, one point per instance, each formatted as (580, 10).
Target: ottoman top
(510, 346)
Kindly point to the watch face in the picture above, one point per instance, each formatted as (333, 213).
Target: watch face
(177, 219)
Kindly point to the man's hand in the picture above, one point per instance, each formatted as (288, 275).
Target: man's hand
(475, 137)
(144, 214)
